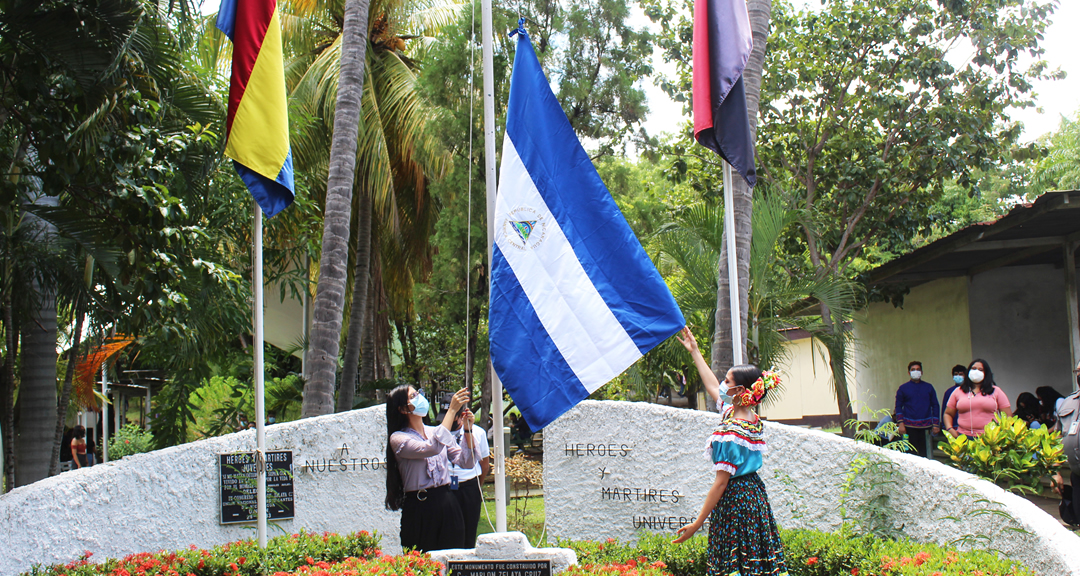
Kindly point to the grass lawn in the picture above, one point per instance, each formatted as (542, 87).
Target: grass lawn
(525, 515)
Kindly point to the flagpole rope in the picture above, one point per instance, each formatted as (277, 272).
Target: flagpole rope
(468, 210)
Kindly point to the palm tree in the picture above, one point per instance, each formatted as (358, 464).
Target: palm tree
(325, 335)
(777, 299)
(395, 159)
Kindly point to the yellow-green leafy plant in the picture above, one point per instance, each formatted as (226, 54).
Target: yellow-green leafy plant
(1008, 452)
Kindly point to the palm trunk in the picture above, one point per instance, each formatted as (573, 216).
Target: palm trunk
(325, 338)
(65, 395)
(367, 355)
(11, 342)
(743, 203)
(836, 344)
(37, 389)
(37, 392)
(358, 314)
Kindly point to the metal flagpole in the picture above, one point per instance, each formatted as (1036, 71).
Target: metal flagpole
(733, 270)
(490, 184)
(260, 409)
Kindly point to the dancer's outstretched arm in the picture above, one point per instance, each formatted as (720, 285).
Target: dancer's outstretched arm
(708, 378)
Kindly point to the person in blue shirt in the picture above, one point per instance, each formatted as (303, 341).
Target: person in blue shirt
(917, 410)
(958, 373)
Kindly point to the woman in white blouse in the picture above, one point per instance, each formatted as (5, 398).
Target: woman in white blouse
(418, 469)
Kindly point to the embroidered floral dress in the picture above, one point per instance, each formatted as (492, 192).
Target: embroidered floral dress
(743, 539)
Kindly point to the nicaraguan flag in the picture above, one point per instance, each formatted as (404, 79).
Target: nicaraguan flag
(257, 126)
(722, 45)
(575, 300)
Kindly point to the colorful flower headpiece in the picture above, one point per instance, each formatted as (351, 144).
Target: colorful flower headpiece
(757, 390)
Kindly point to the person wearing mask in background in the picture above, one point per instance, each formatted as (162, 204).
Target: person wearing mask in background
(958, 372)
(466, 484)
(974, 405)
(917, 410)
(1068, 423)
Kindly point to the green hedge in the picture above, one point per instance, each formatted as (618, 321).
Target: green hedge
(244, 558)
(808, 553)
(811, 553)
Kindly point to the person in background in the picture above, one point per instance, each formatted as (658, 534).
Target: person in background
(958, 373)
(91, 450)
(917, 410)
(78, 447)
(469, 482)
(1027, 409)
(1050, 401)
(1068, 423)
(524, 433)
(974, 405)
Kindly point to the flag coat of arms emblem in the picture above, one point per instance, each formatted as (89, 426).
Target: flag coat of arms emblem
(575, 300)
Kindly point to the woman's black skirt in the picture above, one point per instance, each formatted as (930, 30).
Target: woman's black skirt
(431, 520)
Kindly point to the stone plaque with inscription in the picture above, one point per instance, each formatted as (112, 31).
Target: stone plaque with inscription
(237, 479)
(499, 568)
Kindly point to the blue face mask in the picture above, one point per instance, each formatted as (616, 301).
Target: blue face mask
(958, 379)
(724, 397)
(420, 405)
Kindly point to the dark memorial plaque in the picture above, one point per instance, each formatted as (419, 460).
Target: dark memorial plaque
(237, 479)
(499, 568)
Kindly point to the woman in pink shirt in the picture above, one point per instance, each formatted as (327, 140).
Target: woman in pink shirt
(974, 405)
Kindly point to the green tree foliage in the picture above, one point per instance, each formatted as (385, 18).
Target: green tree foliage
(395, 161)
(604, 103)
(879, 113)
(103, 110)
(869, 108)
(1060, 168)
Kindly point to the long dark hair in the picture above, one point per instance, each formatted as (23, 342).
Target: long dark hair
(745, 375)
(1048, 397)
(986, 387)
(1027, 407)
(397, 399)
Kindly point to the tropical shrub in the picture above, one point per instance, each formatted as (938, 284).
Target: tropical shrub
(809, 553)
(638, 567)
(686, 559)
(1008, 452)
(812, 553)
(294, 553)
(130, 439)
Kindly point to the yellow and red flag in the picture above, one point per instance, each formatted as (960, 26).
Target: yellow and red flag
(257, 128)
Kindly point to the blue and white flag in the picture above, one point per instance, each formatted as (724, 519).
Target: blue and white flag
(575, 299)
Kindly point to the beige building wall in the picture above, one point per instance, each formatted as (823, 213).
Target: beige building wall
(932, 327)
(808, 386)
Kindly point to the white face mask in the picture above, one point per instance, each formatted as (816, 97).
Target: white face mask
(724, 397)
(916, 374)
(976, 376)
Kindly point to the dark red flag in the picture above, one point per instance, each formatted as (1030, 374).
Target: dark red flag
(722, 44)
